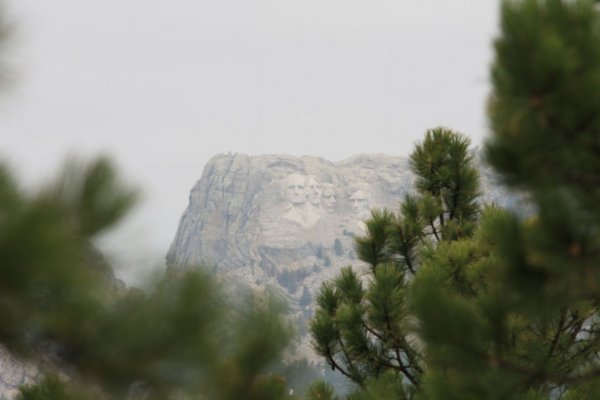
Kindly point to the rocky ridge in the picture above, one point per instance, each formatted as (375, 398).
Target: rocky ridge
(287, 223)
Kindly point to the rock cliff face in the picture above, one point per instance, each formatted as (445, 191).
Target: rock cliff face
(287, 223)
(278, 213)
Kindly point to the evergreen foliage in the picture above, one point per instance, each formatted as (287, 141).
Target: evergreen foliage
(524, 323)
(59, 307)
(489, 304)
(338, 248)
(362, 326)
(458, 302)
(320, 390)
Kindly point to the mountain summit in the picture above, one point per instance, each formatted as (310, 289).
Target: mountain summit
(287, 223)
(278, 213)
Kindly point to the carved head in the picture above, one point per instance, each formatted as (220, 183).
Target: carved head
(359, 202)
(328, 198)
(314, 190)
(294, 189)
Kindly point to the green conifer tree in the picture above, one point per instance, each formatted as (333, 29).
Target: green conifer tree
(60, 309)
(506, 307)
(526, 324)
(365, 331)
(63, 312)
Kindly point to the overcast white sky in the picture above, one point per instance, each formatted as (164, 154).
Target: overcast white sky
(162, 86)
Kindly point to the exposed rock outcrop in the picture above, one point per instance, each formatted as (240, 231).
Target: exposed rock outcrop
(278, 213)
(14, 373)
(288, 222)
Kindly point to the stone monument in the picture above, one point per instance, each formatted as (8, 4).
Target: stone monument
(286, 223)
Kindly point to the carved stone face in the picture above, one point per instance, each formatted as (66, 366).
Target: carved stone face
(328, 200)
(294, 189)
(314, 191)
(359, 202)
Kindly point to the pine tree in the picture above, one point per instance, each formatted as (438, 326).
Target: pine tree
(527, 325)
(338, 248)
(504, 306)
(365, 331)
(61, 310)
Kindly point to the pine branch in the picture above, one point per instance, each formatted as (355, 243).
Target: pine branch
(396, 346)
(559, 330)
(358, 379)
(334, 365)
(433, 228)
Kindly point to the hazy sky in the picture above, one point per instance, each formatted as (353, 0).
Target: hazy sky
(162, 86)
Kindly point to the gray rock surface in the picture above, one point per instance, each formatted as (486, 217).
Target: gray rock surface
(288, 223)
(14, 373)
(281, 213)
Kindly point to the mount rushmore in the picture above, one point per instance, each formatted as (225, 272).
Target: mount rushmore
(279, 223)
(286, 223)
(277, 213)
(283, 224)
